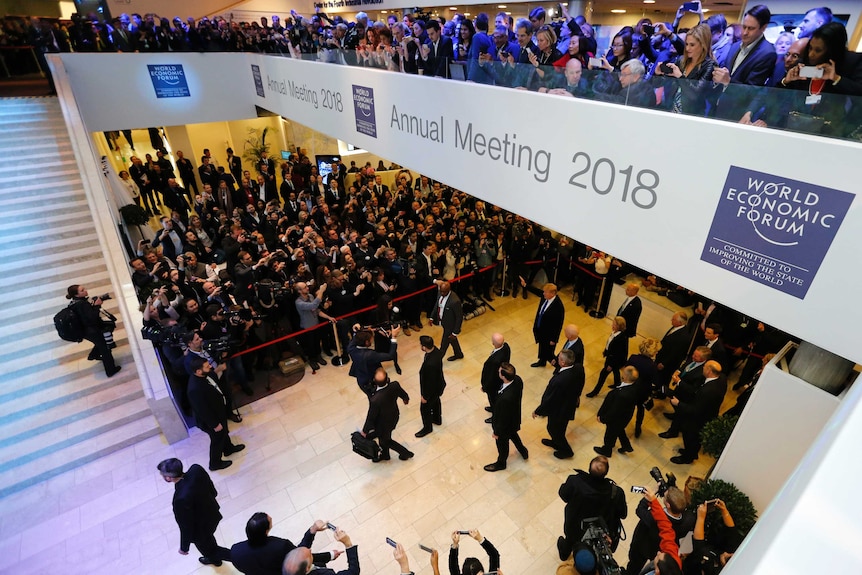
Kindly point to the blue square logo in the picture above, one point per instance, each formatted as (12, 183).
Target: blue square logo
(169, 80)
(363, 109)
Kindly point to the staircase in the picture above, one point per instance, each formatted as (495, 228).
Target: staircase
(58, 411)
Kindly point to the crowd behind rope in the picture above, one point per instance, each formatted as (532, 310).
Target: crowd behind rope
(709, 68)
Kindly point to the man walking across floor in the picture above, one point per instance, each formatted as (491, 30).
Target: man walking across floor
(547, 324)
(431, 386)
(631, 309)
(491, 381)
(696, 410)
(506, 417)
(616, 412)
(195, 509)
(559, 402)
(447, 313)
(210, 408)
(383, 415)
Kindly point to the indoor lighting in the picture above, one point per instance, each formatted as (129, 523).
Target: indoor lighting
(501, 6)
(705, 10)
(453, 8)
(383, 12)
(466, 13)
(649, 1)
(618, 11)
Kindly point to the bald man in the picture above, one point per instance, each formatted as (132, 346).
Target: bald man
(573, 342)
(491, 382)
(699, 409)
(299, 561)
(631, 309)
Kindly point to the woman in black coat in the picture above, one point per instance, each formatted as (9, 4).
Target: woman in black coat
(91, 324)
(473, 566)
(689, 82)
(644, 362)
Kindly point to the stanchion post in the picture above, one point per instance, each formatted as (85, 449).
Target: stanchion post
(503, 291)
(598, 313)
(338, 360)
(556, 270)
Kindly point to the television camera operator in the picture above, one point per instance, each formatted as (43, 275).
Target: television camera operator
(196, 346)
(228, 332)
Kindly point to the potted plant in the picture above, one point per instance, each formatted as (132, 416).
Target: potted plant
(716, 433)
(255, 145)
(738, 504)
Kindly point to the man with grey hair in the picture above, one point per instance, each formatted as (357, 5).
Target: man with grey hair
(559, 402)
(696, 410)
(628, 89)
(300, 560)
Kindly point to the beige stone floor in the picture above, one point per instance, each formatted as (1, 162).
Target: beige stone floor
(114, 515)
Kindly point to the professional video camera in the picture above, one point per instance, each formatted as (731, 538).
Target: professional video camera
(214, 347)
(161, 335)
(663, 484)
(237, 316)
(597, 537)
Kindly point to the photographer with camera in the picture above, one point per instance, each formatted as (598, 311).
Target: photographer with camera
(667, 561)
(587, 495)
(195, 347)
(92, 327)
(710, 557)
(646, 537)
(228, 333)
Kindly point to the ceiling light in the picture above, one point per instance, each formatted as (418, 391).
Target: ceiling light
(618, 11)
(649, 1)
(383, 12)
(453, 7)
(466, 13)
(501, 6)
(705, 10)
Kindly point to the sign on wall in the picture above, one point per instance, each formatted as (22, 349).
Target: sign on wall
(774, 230)
(169, 80)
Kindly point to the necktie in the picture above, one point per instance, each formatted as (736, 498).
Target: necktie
(690, 367)
(441, 308)
(215, 385)
(623, 306)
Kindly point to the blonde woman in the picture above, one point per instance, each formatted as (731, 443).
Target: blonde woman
(644, 362)
(689, 78)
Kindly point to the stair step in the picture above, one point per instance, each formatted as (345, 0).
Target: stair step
(67, 270)
(61, 176)
(27, 168)
(14, 227)
(25, 347)
(50, 198)
(44, 141)
(74, 229)
(38, 250)
(44, 359)
(19, 263)
(47, 298)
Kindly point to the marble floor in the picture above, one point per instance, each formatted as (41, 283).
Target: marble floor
(114, 515)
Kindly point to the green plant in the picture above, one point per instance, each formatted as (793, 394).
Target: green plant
(738, 504)
(716, 433)
(134, 215)
(255, 145)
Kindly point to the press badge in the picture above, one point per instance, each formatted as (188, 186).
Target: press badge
(813, 99)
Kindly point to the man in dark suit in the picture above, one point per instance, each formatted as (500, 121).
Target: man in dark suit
(548, 323)
(684, 382)
(616, 412)
(712, 340)
(383, 415)
(208, 173)
(491, 381)
(300, 561)
(616, 351)
(674, 347)
(694, 412)
(559, 402)
(506, 418)
(333, 196)
(234, 165)
(210, 408)
(187, 172)
(631, 309)
(263, 554)
(266, 162)
(195, 510)
(364, 361)
(437, 52)
(447, 312)
(431, 386)
(750, 62)
(573, 342)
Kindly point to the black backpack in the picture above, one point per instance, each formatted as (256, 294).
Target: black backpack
(68, 324)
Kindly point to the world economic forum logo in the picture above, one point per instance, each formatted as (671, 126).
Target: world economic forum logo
(774, 230)
(169, 80)
(363, 110)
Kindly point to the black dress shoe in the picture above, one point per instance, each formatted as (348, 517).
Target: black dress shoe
(525, 454)
(488, 409)
(623, 450)
(398, 369)
(681, 460)
(94, 355)
(235, 417)
(548, 442)
(314, 366)
(438, 422)
(488, 420)
(208, 561)
(381, 458)
(538, 364)
(235, 449)
(601, 451)
(637, 432)
(613, 386)
(422, 432)
(455, 357)
(494, 467)
(668, 434)
(592, 394)
(115, 371)
(563, 455)
(321, 361)
(563, 548)
(669, 415)
(223, 464)
(406, 456)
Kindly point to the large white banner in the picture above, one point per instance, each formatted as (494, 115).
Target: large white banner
(760, 220)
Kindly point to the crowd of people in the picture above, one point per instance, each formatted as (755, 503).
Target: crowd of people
(807, 81)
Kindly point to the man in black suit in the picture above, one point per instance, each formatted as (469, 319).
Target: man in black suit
(573, 342)
(713, 342)
(506, 417)
(750, 62)
(491, 381)
(383, 415)
(559, 402)
(548, 323)
(364, 361)
(431, 386)
(694, 412)
(263, 554)
(300, 561)
(187, 172)
(333, 196)
(616, 352)
(447, 312)
(195, 510)
(210, 408)
(631, 309)
(674, 347)
(684, 382)
(234, 165)
(437, 52)
(208, 173)
(266, 162)
(616, 412)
